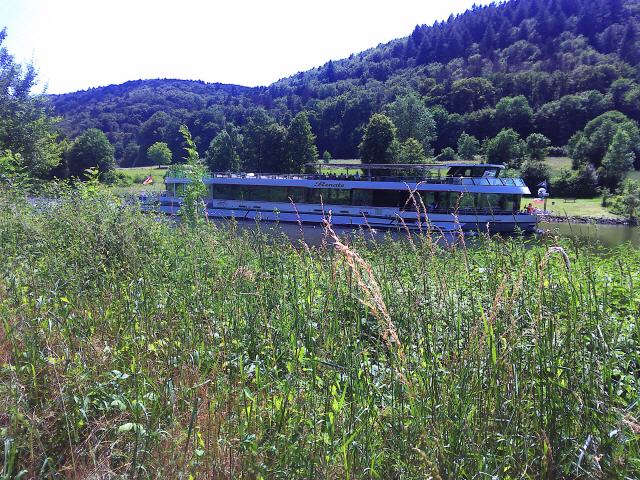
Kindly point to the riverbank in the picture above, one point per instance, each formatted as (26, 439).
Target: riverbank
(584, 219)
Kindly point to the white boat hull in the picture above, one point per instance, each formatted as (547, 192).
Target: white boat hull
(377, 218)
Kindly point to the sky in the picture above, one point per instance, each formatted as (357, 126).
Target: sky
(78, 44)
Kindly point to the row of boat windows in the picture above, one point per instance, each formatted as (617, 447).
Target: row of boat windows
(359, 197)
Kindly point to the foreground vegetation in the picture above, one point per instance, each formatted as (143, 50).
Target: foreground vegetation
(137, 348)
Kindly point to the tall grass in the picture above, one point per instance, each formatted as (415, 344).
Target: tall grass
(132, 347)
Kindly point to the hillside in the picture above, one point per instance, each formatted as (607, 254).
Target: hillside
(572, 60)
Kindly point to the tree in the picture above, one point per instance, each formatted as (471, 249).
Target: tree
(580, 183)
(275, 145)
(12, 170)
(470, 94)
(255, 134)
(153, 130)
(301, 145)
(592, 144)
(618, 159)
(411, 152)
(534, 172)
(629, 45)
(627, 201)
(412, 120)
(91, 149)
(560, 119)
(505, 148)
(377, 140)
(488, 42)
(25, 127)
(515, 113)
(159, 154)
(537, 146)
(195, 191)
(222, 155)
(468, 146)
(447, 155)
(449, 127)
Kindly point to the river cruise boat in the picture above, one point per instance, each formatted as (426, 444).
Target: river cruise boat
(441, 197)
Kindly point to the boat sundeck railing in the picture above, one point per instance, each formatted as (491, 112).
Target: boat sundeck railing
(476, 181)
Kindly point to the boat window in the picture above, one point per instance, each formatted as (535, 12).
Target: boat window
(362, 197)
(490, 172)
(512, 202)
(278, 194)
(225, 192)
(389, 198)
(336, 196)
(429, 199)
(491, 201)
(466, 200)
(180, 189)
(316, 195)
(446, 200)
(258, 193)
(296, 194)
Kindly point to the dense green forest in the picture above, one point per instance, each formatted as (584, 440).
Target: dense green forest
(508, 81)
(571, 60)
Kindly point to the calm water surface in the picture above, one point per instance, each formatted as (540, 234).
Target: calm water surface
(606, 235)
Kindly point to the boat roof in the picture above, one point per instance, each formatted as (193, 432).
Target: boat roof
(416, 166)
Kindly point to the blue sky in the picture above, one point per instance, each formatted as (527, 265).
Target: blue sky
(77, 44)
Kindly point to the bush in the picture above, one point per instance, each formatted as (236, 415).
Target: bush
(506, 148)
(581, 183)
(533, 173)
(121, 179)
(447, 155)
(557, 152)
(468, 146)
(537, 147)
(627, 201)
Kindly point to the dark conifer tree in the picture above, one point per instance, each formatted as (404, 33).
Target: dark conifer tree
(488, 43)
(629, 47)
(417, 35)
(410, 48)
(424, 53)
(571, 7)
(587, 20)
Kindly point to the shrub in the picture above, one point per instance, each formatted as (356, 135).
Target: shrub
(581, 183)
(627, 201)
(506, 148)
(557, 152)
(533, 172)
(447, 155)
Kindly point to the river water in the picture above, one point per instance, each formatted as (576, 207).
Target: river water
(605, 235)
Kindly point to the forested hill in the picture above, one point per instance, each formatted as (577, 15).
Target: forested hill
(547, 66)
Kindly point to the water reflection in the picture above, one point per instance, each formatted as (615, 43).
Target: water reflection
(605, 235)
(315, 235)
